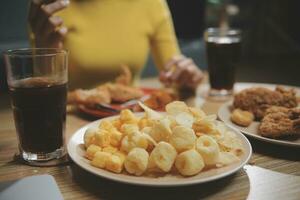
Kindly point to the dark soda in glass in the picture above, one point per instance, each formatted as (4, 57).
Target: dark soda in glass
(39, 107)
(222, 61)
(223, 51)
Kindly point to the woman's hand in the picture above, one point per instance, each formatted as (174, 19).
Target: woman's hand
(181, 72)
(47, 28)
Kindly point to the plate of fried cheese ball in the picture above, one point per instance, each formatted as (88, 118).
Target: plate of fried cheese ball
(267, 112)
(181, 146)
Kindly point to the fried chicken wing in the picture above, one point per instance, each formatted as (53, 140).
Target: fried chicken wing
(258, 99)
(279, 122)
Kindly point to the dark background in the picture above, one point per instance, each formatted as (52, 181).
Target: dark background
(271, 35)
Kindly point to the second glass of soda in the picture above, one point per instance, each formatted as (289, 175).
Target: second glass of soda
(223, 50)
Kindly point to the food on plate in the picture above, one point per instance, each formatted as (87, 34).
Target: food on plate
(121, 92)
(159, 99)
(183, 140)
(209, 149)
(162, 157)
(92, 150)
(241, 117)
(280, 122)
(89, 136)
(189, 163)
(258, 99)
(276, 110)
(136, 161)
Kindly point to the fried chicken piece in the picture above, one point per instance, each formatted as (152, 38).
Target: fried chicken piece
(125, 77)
(89, 97)
(279, 122)
(258, 99)
(123, 93)
(160, 98)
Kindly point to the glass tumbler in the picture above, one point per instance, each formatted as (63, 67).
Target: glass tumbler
(37, 80)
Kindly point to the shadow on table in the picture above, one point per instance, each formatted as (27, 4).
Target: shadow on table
(107, 189)
(275, 150)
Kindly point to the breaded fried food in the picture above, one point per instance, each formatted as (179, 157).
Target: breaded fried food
(160, 98)
(258, 99)
(125, 77)
(279, 122)
(89, 97)
(241, 117)
(121, 91)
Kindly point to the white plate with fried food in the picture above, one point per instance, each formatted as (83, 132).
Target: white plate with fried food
(265, 112)
(183, 146)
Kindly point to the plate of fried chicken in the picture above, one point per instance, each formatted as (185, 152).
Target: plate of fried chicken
(110, 98)
(265, 111)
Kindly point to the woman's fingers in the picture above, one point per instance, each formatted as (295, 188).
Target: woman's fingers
(183, 72)
(173, 61)
(53, 23)
(44, 24)
(50, 9)
(57, 37)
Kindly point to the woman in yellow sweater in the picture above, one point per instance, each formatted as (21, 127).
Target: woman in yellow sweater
(101, 35)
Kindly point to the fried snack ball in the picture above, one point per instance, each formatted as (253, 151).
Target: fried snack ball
(127, 117)
(183, 138)
(136, 161)
(161, 130)
(189, 163)
(177, 107)
(110, 149)
(102, 138)
(106, 125)
(162, 156)
(115, 137)
(197, 113)
(241, 117)
(209, 149)
(129, 129)
(205, 125)
(100, 159)
(131, 141)
(89, 136)
(114, 164)
(91, 151)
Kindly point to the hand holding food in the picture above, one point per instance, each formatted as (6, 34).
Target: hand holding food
(164, 143)
(182, 72)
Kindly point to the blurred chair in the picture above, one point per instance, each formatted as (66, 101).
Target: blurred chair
(13, 34)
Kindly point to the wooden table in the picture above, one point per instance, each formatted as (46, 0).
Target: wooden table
(259, 181)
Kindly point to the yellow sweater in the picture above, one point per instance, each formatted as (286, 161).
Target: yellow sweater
(104, 34)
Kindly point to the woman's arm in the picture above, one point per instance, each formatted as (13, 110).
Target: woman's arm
(175, 69)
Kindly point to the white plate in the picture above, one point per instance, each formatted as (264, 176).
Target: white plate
(203, 89)
(252, 130)
(76, 151)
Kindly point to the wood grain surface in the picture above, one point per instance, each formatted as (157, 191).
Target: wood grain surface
(273, 171)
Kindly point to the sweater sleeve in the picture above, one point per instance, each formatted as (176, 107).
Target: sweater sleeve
(163, 40)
